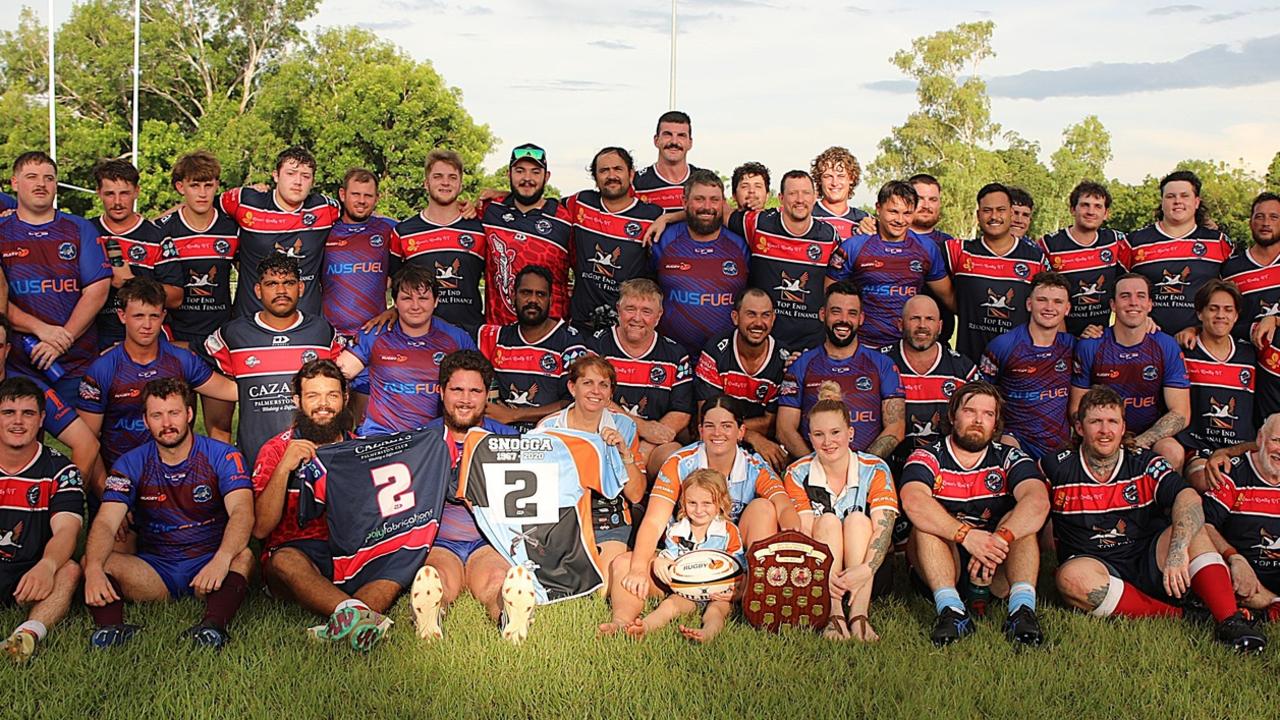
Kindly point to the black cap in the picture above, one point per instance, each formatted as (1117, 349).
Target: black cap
(529, 151)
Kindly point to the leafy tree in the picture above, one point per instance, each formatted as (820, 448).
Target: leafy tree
(1227, 191)
(1273, 173)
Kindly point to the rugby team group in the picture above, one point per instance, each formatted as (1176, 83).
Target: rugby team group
(685, 368)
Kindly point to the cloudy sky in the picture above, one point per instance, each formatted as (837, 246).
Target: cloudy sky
(778, 80)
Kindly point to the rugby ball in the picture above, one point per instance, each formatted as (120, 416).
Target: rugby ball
(699, 574)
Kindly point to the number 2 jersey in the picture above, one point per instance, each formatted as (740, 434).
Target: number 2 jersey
(382, 498)
(531, 498)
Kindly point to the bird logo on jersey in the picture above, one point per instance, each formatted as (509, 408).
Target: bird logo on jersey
(1110, 538)
(518, 397)
(1174, 284)
(637, 409)
(293, 251)
(202, 284)
(999, 306)
(1221, 415)
(9, 539)
(1091, 293)
(793, 289)
(1268, 549)
(604, 263)
(1268, 310)
(447, 275)
(922, 430)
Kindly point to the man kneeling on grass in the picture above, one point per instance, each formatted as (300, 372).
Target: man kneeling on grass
(192, 506)
(296, 561)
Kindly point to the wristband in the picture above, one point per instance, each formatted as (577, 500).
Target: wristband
(1006, 534)
(961, 533)
(1229, 553)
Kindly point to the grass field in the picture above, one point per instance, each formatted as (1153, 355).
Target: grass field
(1155, 669)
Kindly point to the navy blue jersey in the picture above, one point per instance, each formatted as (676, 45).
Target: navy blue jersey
(29, 498)
(607, 252)
(1114, 518)
(650, 187)
(991, 290)
(203, 260)
(7, 202)
(381, 498)
(1036, 383)
(653, 383)
(1258, 284)
(1091, 271)
(1177, 267)
(1138, 372)
(928, 394)
(531, 374)
(456, 254)
(1245, 509)
(980, 495)
(1221, 397)
(720, 371)
(845, 225)
(142, 249)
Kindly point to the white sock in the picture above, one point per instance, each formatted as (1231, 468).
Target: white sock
(1115, 588)
(352, 603)
(35, 627)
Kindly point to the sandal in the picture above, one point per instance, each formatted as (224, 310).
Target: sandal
(866, 626)
(837, 629)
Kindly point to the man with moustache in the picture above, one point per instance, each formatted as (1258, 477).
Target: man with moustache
(966, 536)
(663, 182)
(608, 230)
(451, 247)
(1130, 533)
(837, 172)
(297, 565)
(869, 381)
(931, 373)
(1085, 253)
(746, 364)
(531, 356)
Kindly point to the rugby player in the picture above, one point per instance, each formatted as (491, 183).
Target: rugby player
(531, 356)
(837, 172)
(890, 265)
(297, 564)
(192, 507)
(869, 380)
(40, 532)
(924, 223)
(1146, 368)
(663, 182)
(357, 257)
(1021, 207)
(1130, 533)
(1085, 253)
(750, 185)
(1031, 365)
(975, 506)
(1255, 269)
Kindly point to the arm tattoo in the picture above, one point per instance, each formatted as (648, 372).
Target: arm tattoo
(880, 541)
(1186, 522)
(1167, 426)
(883, 446)
(894, 411)
(1097, 595)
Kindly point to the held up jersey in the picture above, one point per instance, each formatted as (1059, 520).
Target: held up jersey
(204, 260)
(531, 497)
(456, 253)
(1246, 510)
(531, 374)
(993, 290)
(607, 513)
(357, 258)
(980, 495)
(607, 252)
(29, 498)
(1036, 383)
(1177, 267)
(1091, 271)
(141, 247)
(1222, 407)
(720, 370)
(927, 395)
(381, 498)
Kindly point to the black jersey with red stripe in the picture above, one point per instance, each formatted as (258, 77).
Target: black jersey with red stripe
(1177, 267)
(1245, 509)
(539, 237)
(607, 252)
(994, 289)
(456, 254)
(720, 371)
(791, 268)
(1112, 519)
(845, 225)
(653, 383)
(1260, 286)
(980, 495)
(1221, 397)
(262, 361)
(1091, 271)
(266, 228)
(48, 485)
(203, 259)
(652, 188)
(531, 374)
(927, 394)
(1267, 400)
(141, 247)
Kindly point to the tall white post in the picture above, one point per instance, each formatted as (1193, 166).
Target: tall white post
(137, 42)
(672, 104)
(53, 120)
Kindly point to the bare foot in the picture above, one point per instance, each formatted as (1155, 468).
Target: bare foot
(637, 629)
(698, 635)
(609, 628)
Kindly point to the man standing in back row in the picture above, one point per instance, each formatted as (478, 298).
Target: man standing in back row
(662, 183)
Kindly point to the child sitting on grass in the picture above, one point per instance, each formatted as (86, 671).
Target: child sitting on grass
(702, 524)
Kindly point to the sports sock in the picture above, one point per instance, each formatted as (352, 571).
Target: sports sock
(947, 597)
(1126, 600)
(35, 627)
(1211, 580)
(351, 603)
(1021, 594)
(113, 612)
(221, 604)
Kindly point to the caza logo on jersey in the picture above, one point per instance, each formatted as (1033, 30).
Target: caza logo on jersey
(67, 251)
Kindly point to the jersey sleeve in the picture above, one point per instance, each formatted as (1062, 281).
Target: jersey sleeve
(738, 222)
(767, 482)
(268, 458)
(1175, 366)
(92, 394)
(793, 485)
(840, 264)
(58, 415)
(682, 390)
(921, 467)
(881, 495)
(232, 474)
(937, 265)
(989, 365)
(197, 370)
(708, 382)
(1124, 251)
(487, 340)
(312, 491)
(1168, 482)
(1019, 467)
(1219, 501)
(395, 249)
(93, 265)
(218, 351)
(362, 348)
(667, 485)
(789, 390)
(670, 545)
(122, 482)
(954, 249)
(631, 437)
(229, 201)
(1082, 364)
(734, 544)
(890, 380)
(68, 492)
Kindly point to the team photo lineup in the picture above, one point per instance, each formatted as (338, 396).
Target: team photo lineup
(706, 402)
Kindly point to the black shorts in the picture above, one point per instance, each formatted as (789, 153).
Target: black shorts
(1140, 569)
(10, 575)
(317, 551)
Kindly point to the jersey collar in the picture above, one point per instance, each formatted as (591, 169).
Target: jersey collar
(739, 472)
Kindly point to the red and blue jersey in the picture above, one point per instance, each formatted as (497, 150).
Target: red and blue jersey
(720, 371)
(867, 378)
(1258, 284)
(1036, 383)
(845, 225)
(791, 268)
(357, 258)
(607, 251)
(979, 495)
(516, 239)
(456, 254)
(404, 374)
(890, 272)
(991, 290)
(112, 387)
(1245, 509)
(928, 394)
(653, 383)
(699, 280)
(266, 228)
(650, 187)
(1177, 267)
(531, 374)
(1138, 372)
(178, 510)
(203, 260)
(1091, 271)
(47, 266)
(7, 202)
(1221, 397)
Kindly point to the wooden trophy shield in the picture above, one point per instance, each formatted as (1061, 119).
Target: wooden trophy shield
(788, 583)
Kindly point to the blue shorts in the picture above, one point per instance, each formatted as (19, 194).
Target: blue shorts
(1141, 570)
(177, 573)
(621, 533)
(461, 548)
(67, 388)
(317, 551)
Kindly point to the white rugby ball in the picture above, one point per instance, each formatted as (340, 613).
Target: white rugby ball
(699, 574)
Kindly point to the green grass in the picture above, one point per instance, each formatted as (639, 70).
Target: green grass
(1089, 668)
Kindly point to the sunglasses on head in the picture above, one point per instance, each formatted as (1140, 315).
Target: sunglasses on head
(531, 153)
